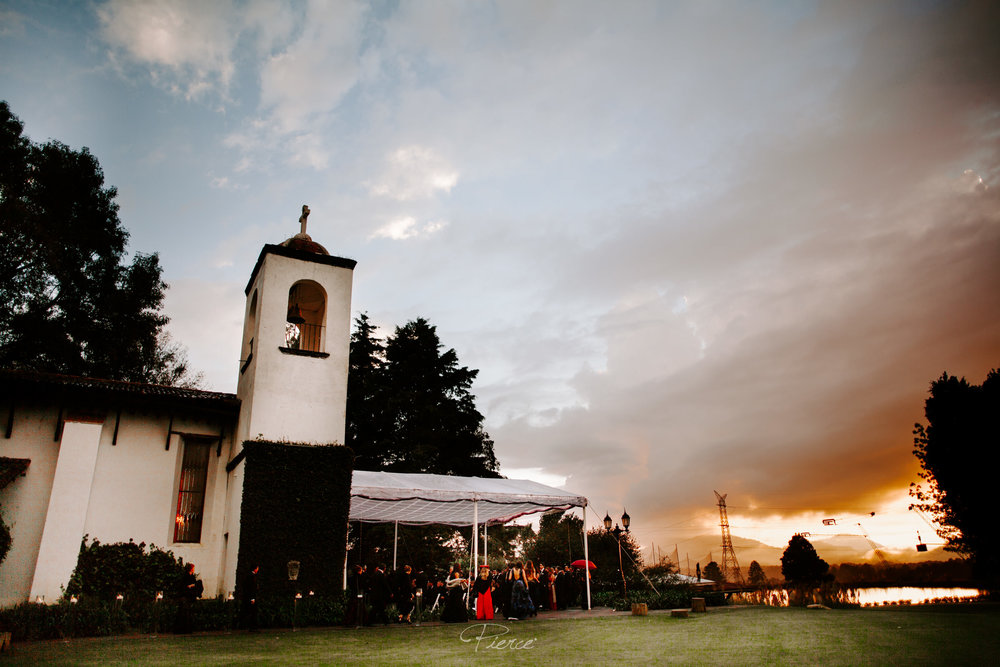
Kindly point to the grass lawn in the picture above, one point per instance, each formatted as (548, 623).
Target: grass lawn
(929, 635)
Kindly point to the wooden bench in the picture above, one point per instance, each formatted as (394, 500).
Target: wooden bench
(698, 605)
(640, 609)
(679, 613)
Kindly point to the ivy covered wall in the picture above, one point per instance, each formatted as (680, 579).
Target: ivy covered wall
(296, 500)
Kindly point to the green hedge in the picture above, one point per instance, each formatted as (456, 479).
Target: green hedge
(296, 499)
(668, 598)
(29, 621)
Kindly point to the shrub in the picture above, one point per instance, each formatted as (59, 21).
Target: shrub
(104, 571)
(92, 617)
(5, 540)
(674, 597)
(311, 610)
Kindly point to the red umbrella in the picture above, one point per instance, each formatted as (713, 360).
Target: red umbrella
(580, 564)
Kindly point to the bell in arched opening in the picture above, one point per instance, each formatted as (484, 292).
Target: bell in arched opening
(294, 314)
(305, 316)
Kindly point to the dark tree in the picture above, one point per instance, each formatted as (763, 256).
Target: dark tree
(661, 570)
(756, 576)
(505, 543)
(429, 548)
(411, 407)
(366, 409)
(68, 302)
(713, 572)
(959, 451)
(559, 540)
(800, 564)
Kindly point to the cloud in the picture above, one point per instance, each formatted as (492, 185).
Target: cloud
(311, 76)
(305, 58)
(407, 227)
(11, 22)
(830, 274)
(187, 45)
(690, 248)
(414, 172)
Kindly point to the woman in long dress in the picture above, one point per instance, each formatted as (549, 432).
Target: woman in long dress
(531, 579)
(550, 589)
(483, 588)
(454, 606)
(520, 602)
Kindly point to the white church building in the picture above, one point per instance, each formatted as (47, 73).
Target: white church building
(119, 461)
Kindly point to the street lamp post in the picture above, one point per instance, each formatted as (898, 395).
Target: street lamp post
(617, 532)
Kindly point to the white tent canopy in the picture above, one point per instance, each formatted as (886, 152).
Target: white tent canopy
(417, 499)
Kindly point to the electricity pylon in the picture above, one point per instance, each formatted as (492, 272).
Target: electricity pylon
(730, 567)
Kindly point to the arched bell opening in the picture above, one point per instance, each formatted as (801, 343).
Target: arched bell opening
(305, 316)
(250, 329)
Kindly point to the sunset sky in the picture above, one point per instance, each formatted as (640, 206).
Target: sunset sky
(691, 246)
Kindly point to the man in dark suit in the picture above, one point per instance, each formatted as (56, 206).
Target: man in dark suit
(404, 593)
(248, 600)
(379, 594)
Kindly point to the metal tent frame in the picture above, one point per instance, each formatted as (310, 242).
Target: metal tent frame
(422, 499)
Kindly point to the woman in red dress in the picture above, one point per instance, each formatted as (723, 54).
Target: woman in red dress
(483, 588)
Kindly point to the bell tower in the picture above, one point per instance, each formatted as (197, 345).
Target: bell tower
(296, 339)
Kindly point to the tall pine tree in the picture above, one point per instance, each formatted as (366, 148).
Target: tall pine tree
(366, 410)
(411, 407)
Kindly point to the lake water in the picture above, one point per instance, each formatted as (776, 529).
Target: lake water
(870, 597)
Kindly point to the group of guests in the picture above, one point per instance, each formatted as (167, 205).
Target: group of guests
(370, 591)
(522, 590)
(515, 593)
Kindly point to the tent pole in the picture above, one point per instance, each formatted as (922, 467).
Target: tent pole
(347, 549)
(475, 536)
(395, 540)
(486, 542)
(586, 556)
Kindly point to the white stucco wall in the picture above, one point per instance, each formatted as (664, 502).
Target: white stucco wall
(292, 397)
(135, 490)
(67, 510)
(131, 494)
(24, 502)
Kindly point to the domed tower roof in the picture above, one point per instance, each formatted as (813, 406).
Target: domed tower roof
(303, 241)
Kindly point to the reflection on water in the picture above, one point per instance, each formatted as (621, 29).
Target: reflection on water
(864, 597)
(871, 597)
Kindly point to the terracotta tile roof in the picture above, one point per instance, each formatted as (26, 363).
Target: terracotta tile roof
(24, 384)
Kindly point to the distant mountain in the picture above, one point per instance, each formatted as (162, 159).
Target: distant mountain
(705, 548)
(834, 550)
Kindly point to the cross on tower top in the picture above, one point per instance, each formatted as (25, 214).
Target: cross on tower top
(303, 219)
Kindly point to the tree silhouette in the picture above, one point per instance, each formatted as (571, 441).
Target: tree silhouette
(800, 564)
(713, 572)
(559, 540)
(68, 302)
(959, 453)
(756, 576)
(411, 407)
(367, 429)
